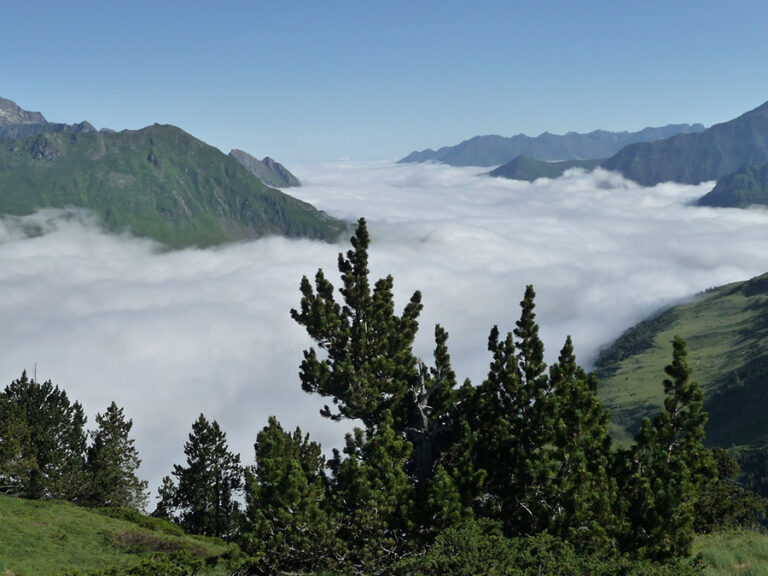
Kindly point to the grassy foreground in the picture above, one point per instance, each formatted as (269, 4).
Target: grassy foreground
(741, 552)
(52, 537)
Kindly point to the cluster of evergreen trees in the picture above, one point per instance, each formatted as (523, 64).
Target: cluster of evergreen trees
(46, 452)
(437, 476)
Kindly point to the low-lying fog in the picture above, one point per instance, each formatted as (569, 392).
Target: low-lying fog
(170, 335)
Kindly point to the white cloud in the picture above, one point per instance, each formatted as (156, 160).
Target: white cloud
(170, 335)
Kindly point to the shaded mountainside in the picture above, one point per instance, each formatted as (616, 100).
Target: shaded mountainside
(697, 157)
(267, 170)
(494, 150)
(157, 182)
(743, 188)
(16, 122)
(530, 169)
(727, 333)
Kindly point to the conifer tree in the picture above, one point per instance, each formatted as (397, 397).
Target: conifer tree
(540, 438)
(374, 498)
(17, 463)
(166, 497)
(581, 490)
(112, 463)
(368, 368)
(663, 474)
(207, 487)
(512, 414)
(289, 526)
(48, 456)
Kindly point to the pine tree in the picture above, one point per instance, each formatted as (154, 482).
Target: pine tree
(581, 490)
(662, 475)
(374, 498)
(48, 455)
(166, 498)
(205, 498)
(17, 462)
(540, 439)
(512, 415)
(112, 463)
(368, 367)
(289, 527)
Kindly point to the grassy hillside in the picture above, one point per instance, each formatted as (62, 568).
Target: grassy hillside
(50, 537)
(158, 182)
(733, 553)
(727, 333)
(58, 538)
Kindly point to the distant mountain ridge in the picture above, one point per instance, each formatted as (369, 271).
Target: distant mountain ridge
(159, 182)
(697, 157)
(494, 150)
(15, 122)
(269, 171)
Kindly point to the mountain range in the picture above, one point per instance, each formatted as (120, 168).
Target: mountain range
(494, 150)
(159, 182)
(697, 157)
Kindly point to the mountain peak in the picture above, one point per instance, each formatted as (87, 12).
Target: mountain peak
(12, 113)
(269, 171)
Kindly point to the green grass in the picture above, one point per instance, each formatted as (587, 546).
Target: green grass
(727, 334)
(52, 537)
(736, 553)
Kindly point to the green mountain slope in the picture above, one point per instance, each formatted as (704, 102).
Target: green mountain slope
(727, 333)
(530, 169)
(741, 189)
(697, 157)
(492, 150)
(157, 182)
(51, 537)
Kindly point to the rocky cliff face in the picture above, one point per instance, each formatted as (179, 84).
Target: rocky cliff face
(11, 113)
(267, 170)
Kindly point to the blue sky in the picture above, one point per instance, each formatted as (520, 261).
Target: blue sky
(312, 80)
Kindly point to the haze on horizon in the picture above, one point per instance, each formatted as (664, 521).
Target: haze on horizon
(168, 335)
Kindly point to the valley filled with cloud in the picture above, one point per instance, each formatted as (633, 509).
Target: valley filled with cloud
(168, 335)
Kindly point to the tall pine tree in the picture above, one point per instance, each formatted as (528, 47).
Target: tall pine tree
(112, 463)
(367, 365)
(46, 440)
(289, 526)
(662, 475)
(205, 496)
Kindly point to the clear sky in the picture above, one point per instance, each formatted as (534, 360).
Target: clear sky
(322, 80)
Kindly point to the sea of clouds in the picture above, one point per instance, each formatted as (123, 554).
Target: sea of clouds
(168, 335)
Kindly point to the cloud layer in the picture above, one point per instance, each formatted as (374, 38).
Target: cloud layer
(170, 335)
